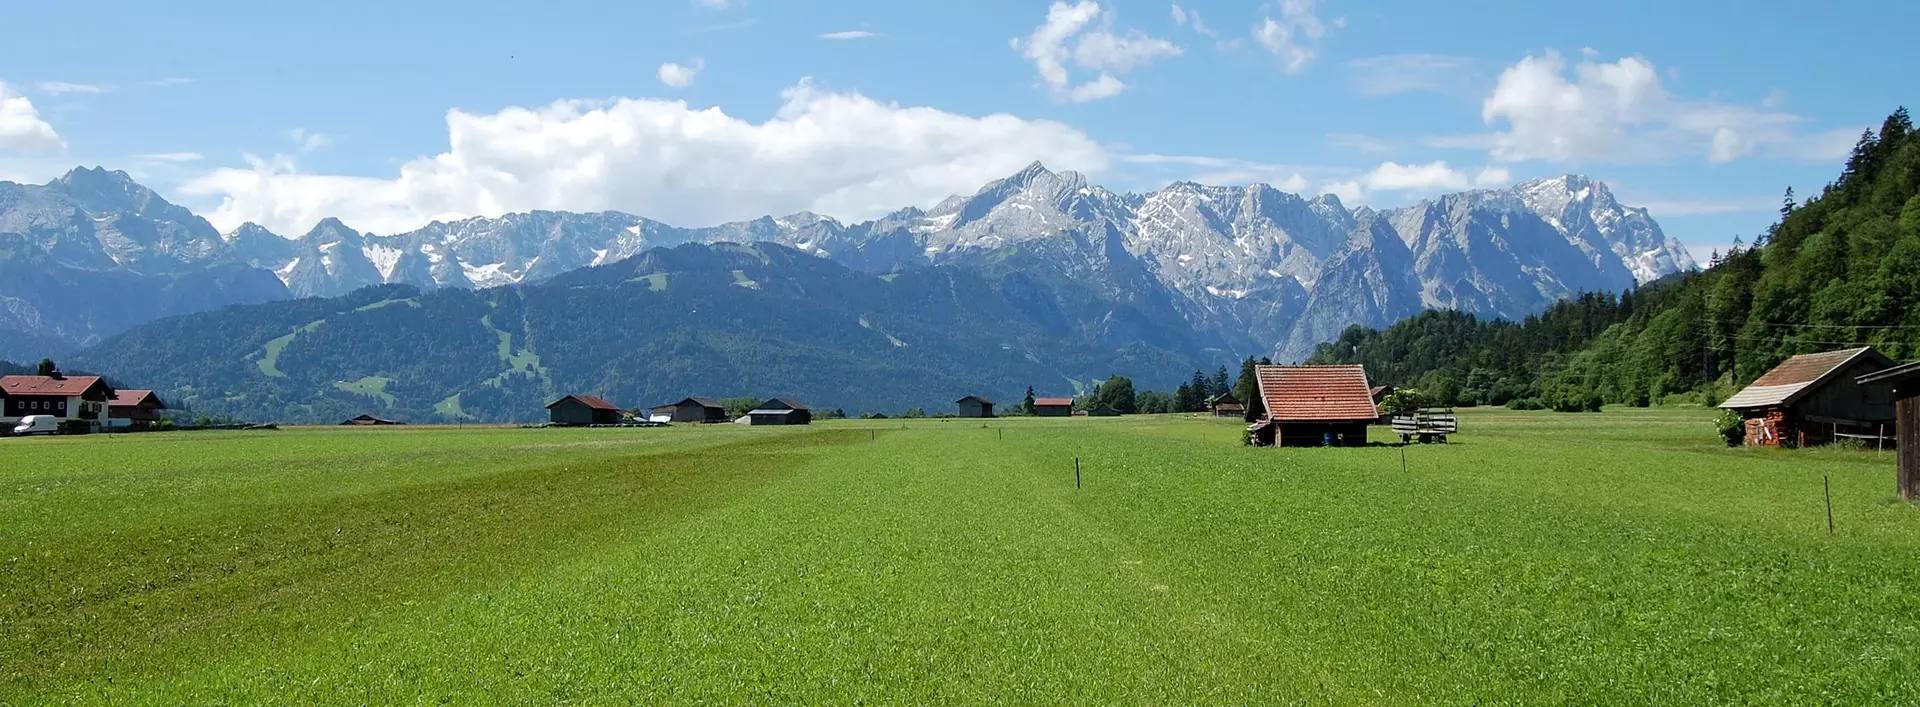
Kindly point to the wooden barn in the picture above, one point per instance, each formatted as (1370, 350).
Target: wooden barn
(1053, 407)
(1225, 405)
(1815, 399)
(1904, 384)
(1312, 406)
(371, 421)
(779, 411)
(975, 406)
(1379, 394)
(577, 410)
(696, 410)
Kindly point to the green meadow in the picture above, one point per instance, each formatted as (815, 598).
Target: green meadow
(1626, 557)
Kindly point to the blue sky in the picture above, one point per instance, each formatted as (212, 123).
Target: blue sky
(696, 111)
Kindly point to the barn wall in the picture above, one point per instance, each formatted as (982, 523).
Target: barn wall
(1843, 398)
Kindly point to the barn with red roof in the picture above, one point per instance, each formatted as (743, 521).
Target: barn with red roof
(576, 410)
(1814, 399)
(1312, 406)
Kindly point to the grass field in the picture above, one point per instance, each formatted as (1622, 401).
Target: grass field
(1624, 558)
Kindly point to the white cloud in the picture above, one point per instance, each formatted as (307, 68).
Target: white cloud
(59, 87)
(308, 141)
(1069, 33)
(21, 127)
(1191, 18)
(678, 76)
(169, 157)
(1430, 178)
(1295, 37)
(1410, 73)
(1293, 184)
(850, 34)
(1621, 111)
(840, 154)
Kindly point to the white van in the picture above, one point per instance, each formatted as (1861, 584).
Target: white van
(37, 425)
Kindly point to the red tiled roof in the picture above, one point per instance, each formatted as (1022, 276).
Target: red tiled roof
(591, 402)
(1316, 393)
(42, 385)
(1797, 376)
(1053, 402)
(135, 398)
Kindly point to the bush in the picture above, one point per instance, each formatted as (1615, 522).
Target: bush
(1526, 404)
(1733, 427)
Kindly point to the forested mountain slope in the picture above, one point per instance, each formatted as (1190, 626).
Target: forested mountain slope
(758, 320)
(1840, 269)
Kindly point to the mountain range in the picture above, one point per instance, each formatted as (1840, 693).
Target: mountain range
(1263, 272)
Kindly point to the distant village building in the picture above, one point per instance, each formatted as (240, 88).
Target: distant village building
(134, 409)
(65, 398)
(371, 421)
(1225, 405)
(778, 411)
(577, 410)
(698, 410)
(1312, 406)
(1053, 407)
(1103, 411)
(975, 406)
(1904, 383)
(1379, 394)
(1814, 399)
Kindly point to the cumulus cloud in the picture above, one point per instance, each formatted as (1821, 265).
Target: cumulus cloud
(1294, 37)
(1622, 111)
(850, 34)
(1430, 178)
(678, 76)
(841, 154)
(1084, 35)
(21, 127)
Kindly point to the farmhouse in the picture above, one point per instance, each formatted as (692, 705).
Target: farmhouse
(134, 409)
(1311, 406)
(63, 397)
(1904, 383)
(690, 410)
(975, 406)
(1813, 399)
(575, 410)
(1053, 407)
(1225, 405)
(371, 421)
(778, 411)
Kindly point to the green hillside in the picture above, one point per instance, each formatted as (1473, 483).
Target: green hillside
(720, 321)
(1840, 269)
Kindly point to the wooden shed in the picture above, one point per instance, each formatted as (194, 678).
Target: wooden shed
(696, 409)
(779, 411)
(975, 406)
(1053, 407)
(1225, 405)
(1904, 384)
(1814, 399)
(575, 410)
(1312, 406)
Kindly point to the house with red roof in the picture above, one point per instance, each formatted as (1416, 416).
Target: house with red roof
(63, 397)
(134, 409)
(1313, 406)
(1815, 399)
(580, 410)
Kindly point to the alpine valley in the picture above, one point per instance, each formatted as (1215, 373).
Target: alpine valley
(1037, 279)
